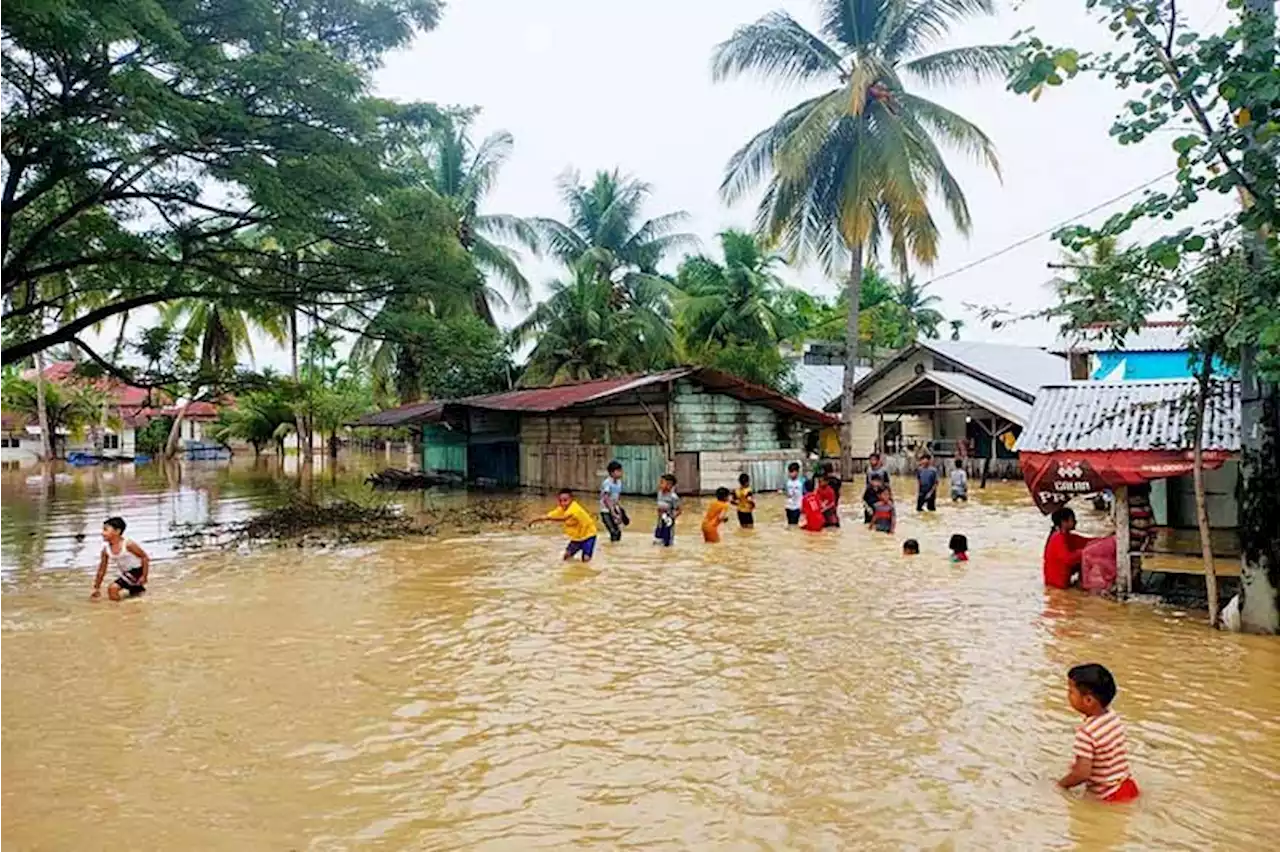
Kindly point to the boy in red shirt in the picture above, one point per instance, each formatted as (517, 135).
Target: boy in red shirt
(1102, 749)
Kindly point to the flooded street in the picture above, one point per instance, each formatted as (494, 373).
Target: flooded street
(782, 690)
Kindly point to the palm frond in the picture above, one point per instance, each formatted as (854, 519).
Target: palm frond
(504, 226)
(777, 47)
(952, 128)
(502, 263)
(751, 163)
(974, 64)
(925, 22)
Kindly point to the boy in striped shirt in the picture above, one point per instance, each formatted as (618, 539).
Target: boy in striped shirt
(1101, 750)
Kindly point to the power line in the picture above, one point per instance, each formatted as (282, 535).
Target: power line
(1049, 230)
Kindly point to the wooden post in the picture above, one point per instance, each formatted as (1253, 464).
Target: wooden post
(879, 447)
(671, 427)
(1120, 514)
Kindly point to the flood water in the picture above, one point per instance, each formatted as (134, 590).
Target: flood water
(781, 690)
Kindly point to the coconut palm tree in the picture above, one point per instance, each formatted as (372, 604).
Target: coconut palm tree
(918, 311)
(851, 169)
(742, 300)
(463, 173)
(604, 231)
(214, 336)
(581, 333)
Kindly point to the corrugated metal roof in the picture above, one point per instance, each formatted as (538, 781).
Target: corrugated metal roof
(822, 383)
(555, 397)
(414, 412)
(558, 397)
(1159, 336)
(1152, 415)
(1023, 368)
(967, 387)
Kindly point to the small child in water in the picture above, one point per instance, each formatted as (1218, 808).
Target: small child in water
(745, 500)
(668, 510)
(131, 563)
(1101, 749)
(579, 526)
(884, 516)
(911, 547)
(795, 490)
(959, 546)
(717, 513)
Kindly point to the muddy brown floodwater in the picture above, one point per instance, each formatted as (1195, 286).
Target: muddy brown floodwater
(779, 691)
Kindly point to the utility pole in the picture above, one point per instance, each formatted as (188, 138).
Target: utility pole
(1259, 407)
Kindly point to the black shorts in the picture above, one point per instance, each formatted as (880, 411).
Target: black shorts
(131, 588)
(793, 517)
(746, 519)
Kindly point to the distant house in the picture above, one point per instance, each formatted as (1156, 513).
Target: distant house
(705, 425)
(128, 409)
(951, 398)
(1157, 350)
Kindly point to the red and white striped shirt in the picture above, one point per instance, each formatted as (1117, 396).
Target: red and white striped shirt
(1101, 739)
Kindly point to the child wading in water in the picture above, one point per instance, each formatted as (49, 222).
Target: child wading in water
(959, 546)
(884, 516)
(130, 562)
(668, 510)
(579, 526)
(717, 514)
(1101, 749)
(612, 515)
(794, 488)
(745, 500)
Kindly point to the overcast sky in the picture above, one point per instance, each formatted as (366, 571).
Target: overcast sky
(597, 84)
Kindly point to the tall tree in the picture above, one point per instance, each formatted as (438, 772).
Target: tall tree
(741, 300)
(917, 307)
(580, 332)
(605, 233)
(853, 167)
(214, 336)
(463, 172)
(142, 137)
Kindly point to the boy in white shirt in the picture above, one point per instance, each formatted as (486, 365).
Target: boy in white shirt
(794, 488)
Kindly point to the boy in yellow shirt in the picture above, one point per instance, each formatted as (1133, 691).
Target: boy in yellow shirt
(579, 526)
(717, 514)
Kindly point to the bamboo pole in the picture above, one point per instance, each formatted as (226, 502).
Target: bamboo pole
(1120, 513)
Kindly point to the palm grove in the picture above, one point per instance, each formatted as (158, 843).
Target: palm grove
(185, 179)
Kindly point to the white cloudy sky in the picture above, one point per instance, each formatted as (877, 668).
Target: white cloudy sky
(594, 84)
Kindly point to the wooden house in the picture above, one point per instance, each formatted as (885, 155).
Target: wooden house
(704, 425)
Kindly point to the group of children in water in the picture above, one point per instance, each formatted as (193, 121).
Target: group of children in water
(811, 504)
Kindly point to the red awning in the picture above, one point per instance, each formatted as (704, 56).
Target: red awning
(1054, 478)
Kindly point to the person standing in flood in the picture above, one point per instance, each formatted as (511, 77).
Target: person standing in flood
(876, 469)
(612, 515)
(794, 488)
(668, 510)
(131, 563)
(927, 483)
(1063, 550)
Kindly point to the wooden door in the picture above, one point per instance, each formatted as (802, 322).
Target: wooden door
(688, 477)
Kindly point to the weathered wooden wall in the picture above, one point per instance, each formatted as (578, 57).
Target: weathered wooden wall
(767, 468)
(622, 424)
(707, 421)
(582, 467)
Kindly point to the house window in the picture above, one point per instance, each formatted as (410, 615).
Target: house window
(11, 443)
(110, 442)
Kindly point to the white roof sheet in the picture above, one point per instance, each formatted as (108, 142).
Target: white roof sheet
(1153, 337)
(1149, 415)
(822, 383)
(1026, 368)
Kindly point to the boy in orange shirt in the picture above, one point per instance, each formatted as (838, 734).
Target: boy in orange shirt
(1102, 748)
(717, 514)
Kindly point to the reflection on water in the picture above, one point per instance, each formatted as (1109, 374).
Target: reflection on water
(781, 690)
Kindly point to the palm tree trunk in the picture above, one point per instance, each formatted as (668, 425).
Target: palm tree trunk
(1202, 510)
(850, 362)
(175, 432)
(42, 412)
